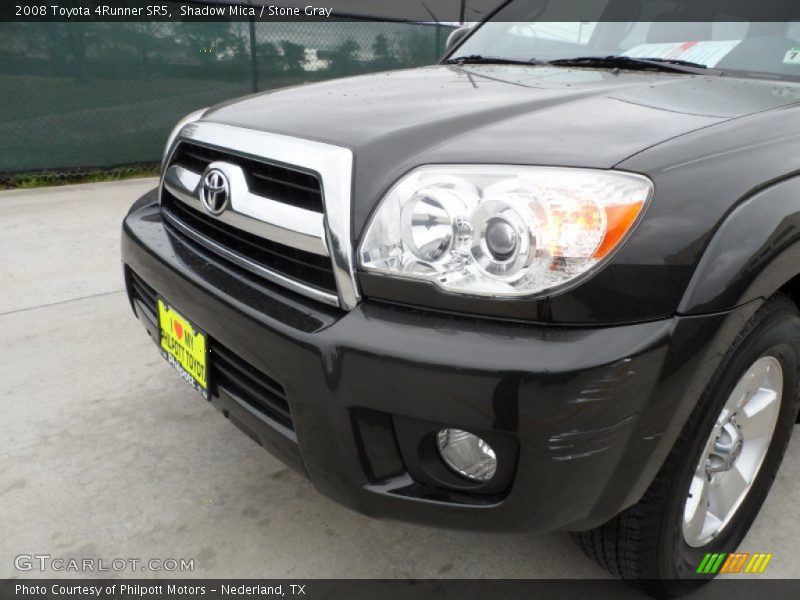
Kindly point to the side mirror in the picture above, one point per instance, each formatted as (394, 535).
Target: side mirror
(454, 39)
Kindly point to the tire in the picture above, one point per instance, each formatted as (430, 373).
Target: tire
(648, 544)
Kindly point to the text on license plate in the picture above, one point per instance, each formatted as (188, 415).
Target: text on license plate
(184, 346)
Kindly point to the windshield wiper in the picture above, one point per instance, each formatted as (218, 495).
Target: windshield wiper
(631, 63)
(477, 59)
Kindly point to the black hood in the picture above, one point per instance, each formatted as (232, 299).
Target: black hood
(397, 120)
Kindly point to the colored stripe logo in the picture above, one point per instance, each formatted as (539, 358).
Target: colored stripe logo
(740, 562)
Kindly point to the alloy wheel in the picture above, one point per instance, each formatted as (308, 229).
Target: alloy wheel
(734, 452)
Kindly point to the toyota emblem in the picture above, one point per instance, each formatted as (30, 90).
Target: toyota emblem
(215, 192)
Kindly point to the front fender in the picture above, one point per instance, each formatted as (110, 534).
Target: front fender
(752, 255)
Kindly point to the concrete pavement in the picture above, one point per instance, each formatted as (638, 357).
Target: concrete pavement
(107, 454)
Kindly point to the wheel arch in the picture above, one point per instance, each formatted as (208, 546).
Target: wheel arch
(753, 254)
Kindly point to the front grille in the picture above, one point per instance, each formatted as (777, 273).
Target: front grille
(277, 182)
(299, 269)
(227, 371)
(306, 267)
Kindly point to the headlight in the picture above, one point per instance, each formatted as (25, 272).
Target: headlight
(190, 118)
(501, 231)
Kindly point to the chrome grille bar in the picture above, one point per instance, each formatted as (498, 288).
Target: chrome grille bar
(264, 217)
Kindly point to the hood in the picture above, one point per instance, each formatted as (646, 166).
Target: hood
(397, 120)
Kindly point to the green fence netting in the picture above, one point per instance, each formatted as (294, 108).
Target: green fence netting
(79, 95)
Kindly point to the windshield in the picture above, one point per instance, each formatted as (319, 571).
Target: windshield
(724, 42)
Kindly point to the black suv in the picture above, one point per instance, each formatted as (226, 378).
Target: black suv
(549, 283)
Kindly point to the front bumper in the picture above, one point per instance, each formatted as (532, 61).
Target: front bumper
(582, 417)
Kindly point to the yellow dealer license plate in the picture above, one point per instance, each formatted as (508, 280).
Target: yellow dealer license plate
(184, 346)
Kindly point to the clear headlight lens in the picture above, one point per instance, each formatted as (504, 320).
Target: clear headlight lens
(501, 231)
(190, 118)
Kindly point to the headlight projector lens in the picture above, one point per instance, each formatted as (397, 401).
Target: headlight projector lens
(467, 454)
(501, 239)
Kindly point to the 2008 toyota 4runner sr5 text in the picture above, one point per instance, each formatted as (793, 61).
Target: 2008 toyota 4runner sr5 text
(549, 283)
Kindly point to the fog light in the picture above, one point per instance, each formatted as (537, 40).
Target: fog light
(467, 454)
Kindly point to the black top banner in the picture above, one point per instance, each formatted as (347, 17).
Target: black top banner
(443, 11)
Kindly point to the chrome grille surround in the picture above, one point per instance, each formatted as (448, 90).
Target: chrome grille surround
(324, 234)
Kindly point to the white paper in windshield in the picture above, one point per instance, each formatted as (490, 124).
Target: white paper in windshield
(707, 53)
